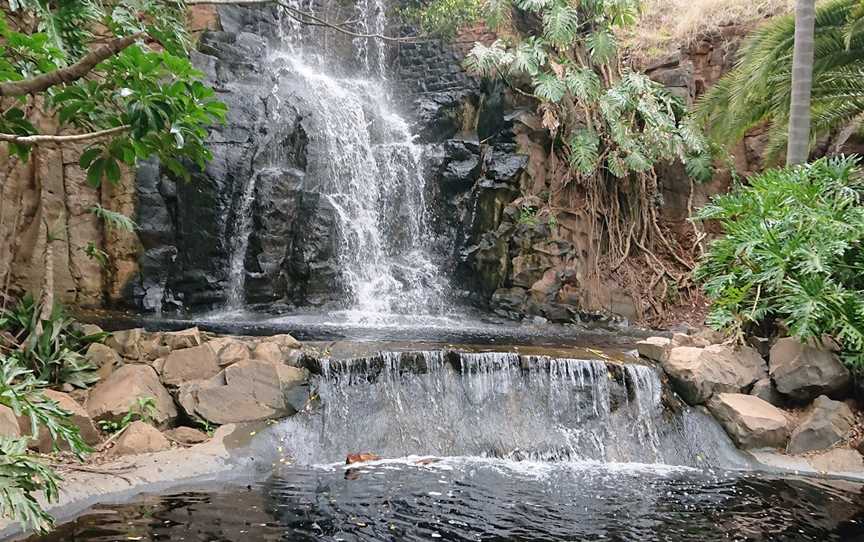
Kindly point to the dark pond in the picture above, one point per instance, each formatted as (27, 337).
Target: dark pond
(477, 499)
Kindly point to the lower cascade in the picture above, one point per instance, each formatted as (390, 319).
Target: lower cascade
(500, 405)
(501, 446)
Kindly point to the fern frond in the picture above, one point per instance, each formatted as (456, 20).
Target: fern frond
(113, 218)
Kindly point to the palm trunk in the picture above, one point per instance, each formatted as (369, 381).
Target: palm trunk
(798, 148)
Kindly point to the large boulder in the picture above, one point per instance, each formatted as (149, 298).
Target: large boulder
(186, 338)
(246, 391)
(750, 421)
(699, 373)
(824, 424)
(838, 460)
(137, 345)
(276, 348)
(188, 364)
(127, 342)
(103, 357)
(140, 438)
(267, 351)
(112, 398)
(284, 341)
(683, 339)
(8, 423)
(186, 435)
(804, 371)
(655, 348)
(80, 419)
(229, 350)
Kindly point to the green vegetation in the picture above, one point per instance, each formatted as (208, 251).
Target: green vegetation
(527, 215)
(611, 125)
(114, 80)
(52, 349)
(758, 90)
(792, 254)
(21, 476)
(144, 410)
(116, 73)
(443, 17)
(615, 122)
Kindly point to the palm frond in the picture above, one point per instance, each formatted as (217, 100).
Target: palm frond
(757, 91)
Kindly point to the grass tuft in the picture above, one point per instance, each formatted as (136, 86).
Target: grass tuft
(667, 25)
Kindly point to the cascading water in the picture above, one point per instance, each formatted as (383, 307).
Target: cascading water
(368, 168)
(493, 447)
(501, 405)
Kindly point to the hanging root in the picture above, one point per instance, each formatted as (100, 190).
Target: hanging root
(627, 220)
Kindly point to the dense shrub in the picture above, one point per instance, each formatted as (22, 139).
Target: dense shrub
(52, 349)
(791, 254)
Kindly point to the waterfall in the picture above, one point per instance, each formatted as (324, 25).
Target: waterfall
(242, 229)
(366, 165)
(500, 405)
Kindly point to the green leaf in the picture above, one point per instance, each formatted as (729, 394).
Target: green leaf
(528, 57)
(547, 86)
(560, 25)
(114, 219)
(584, 151)
(88, 156)
(112, 170)
(95, 172)
(533, 5)
(602, 46)
(583, 83)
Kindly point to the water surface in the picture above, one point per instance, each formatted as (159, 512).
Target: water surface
(481, 499)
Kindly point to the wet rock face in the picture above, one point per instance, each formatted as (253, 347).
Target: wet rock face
(186, 227)
(183, 225)
(291, 258)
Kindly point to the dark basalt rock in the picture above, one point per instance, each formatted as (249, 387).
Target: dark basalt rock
(502, 163)
(292, 259)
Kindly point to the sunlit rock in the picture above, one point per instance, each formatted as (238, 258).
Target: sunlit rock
(699, 373)
(750, 421)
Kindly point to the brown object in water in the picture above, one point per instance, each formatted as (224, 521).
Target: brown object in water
(361, 458)
(427, 460)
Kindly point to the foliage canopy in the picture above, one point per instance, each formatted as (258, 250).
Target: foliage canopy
(116, 73)
(21, 475)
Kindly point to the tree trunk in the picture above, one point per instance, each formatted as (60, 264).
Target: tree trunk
(798, 148)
